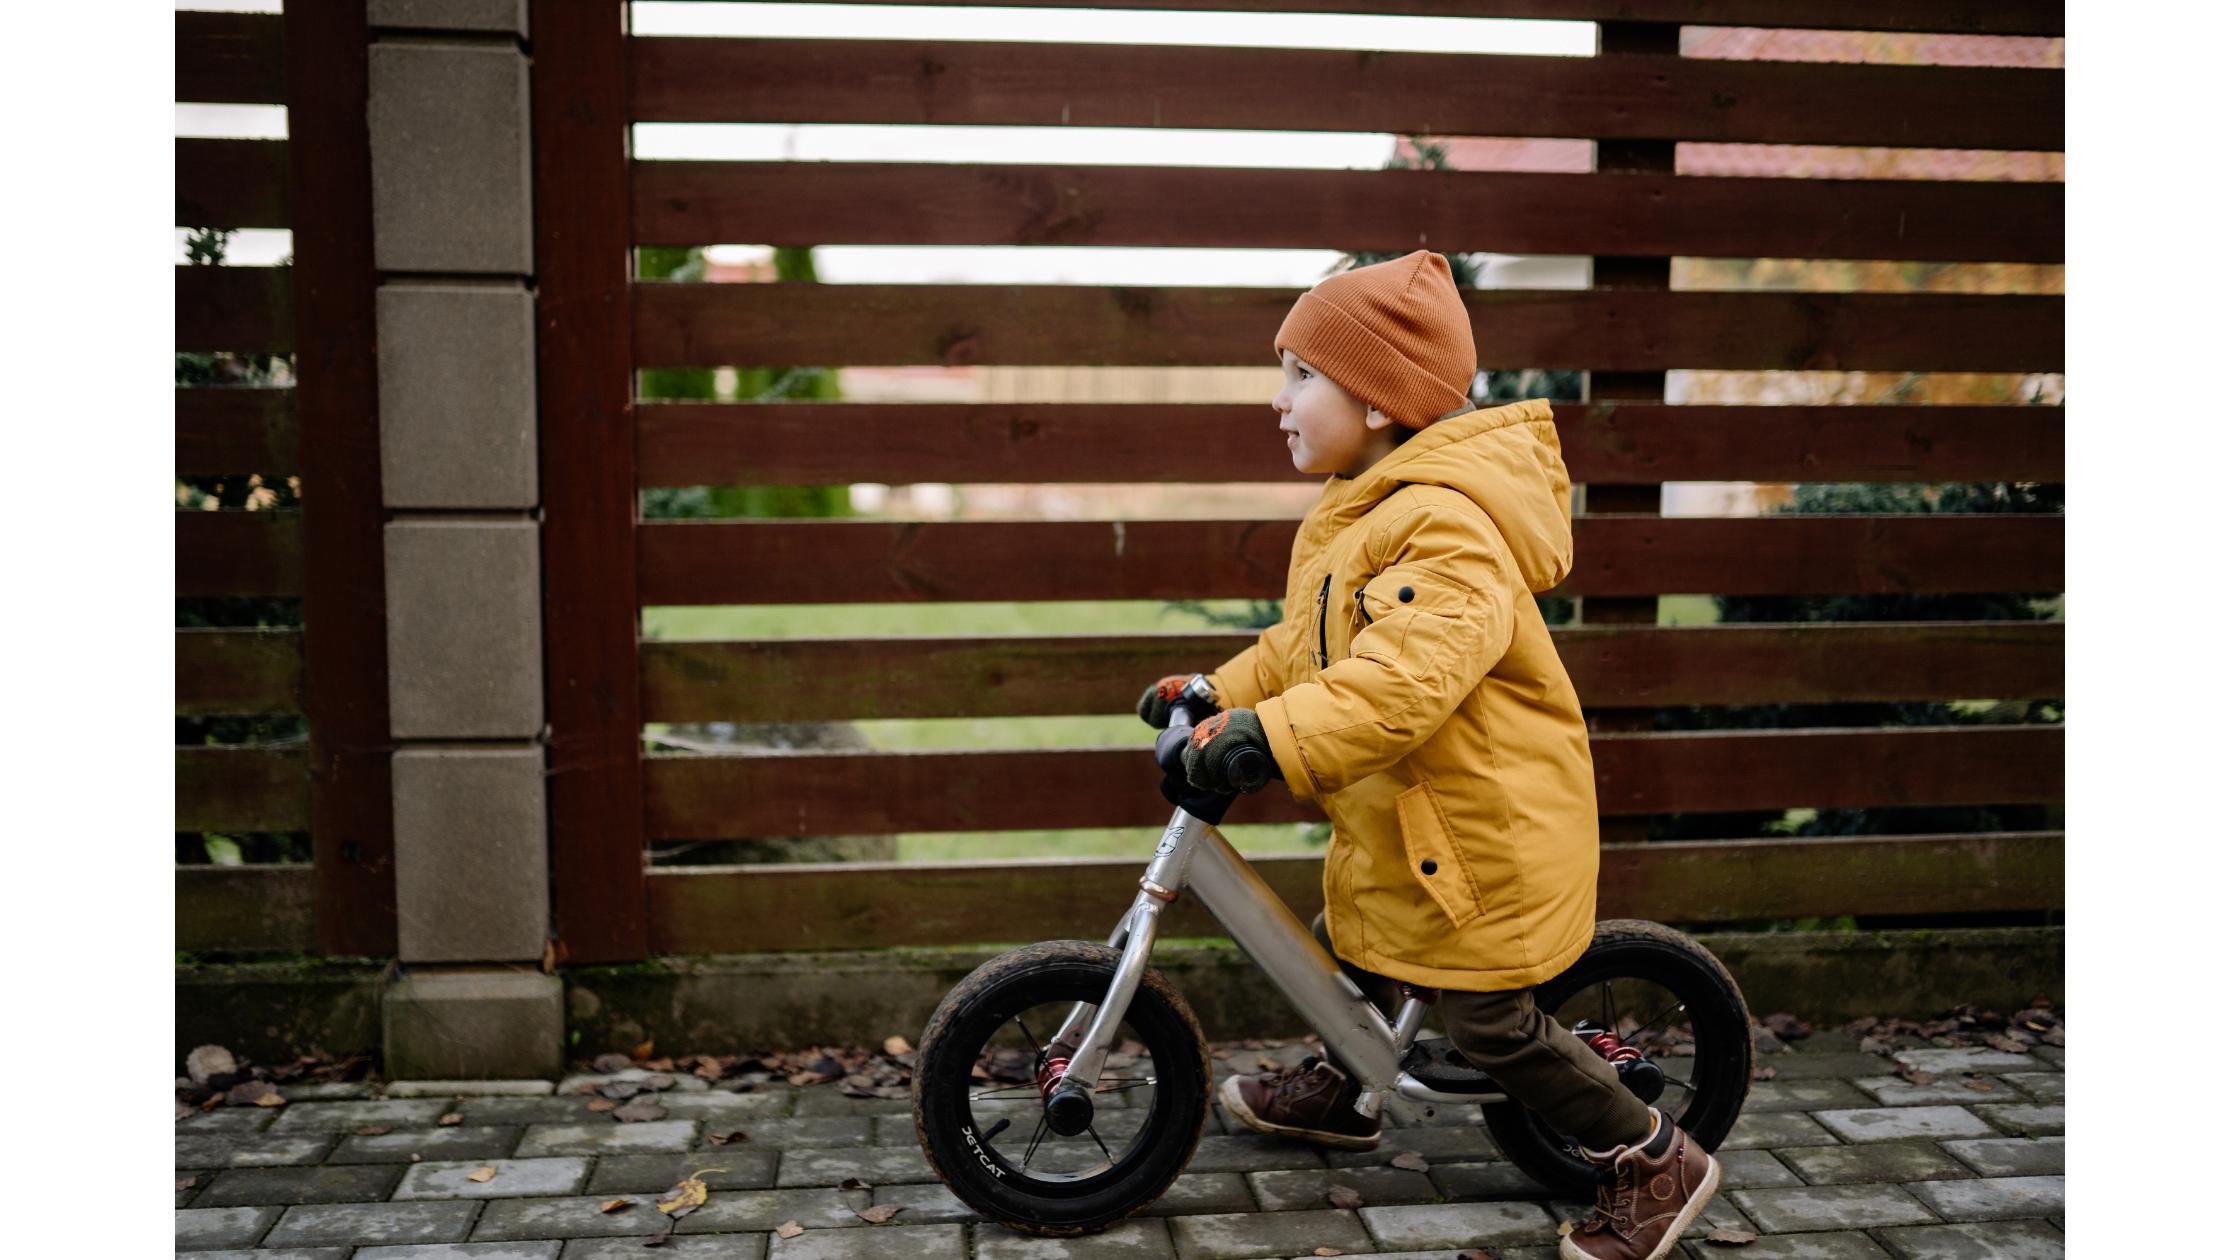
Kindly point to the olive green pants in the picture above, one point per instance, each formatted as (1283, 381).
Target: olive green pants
(1538, 1062)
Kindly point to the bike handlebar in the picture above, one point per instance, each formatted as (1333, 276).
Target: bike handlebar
(1248, 768)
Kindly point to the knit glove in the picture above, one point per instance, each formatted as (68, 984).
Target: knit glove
(1205, 757)
(1159, 699)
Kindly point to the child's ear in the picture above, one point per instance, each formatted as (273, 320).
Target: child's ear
(1377, 419)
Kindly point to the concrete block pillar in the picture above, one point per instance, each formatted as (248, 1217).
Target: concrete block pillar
(449, 123)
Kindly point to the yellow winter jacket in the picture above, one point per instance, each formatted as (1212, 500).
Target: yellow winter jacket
(1412, 691)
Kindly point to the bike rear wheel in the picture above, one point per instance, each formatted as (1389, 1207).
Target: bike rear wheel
(978, 1107)
(1664, 994)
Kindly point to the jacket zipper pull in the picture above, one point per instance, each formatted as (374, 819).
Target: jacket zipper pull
(1322, 620)
(1361, 605)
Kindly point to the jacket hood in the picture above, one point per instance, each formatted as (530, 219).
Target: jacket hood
(1509, 462)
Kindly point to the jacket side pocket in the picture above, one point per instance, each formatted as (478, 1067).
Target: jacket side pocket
(1432, 856)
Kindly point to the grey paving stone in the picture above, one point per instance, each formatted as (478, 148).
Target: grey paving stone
(924, 1205)
(1474, 1183)
(809, 1131)
(881, 1166)
(1966, 1059)
(1889, 1124)
(1766, 1129)
(1253, 1153)
(1237, 1235)
(254, 1150)
(710, 1247)
(1755, 1170)
(880, 1242)
(548, 1250)
(2010, 1157)
(514, 1179)
(1848, 1245)
(1720, 1213)
(1400, 1113)
(768, 1209)
(1780, 1095)
(528, 1219)
(1135, 1239)
(1992, 1198)
(1813, 1209)
(2041, 1086)
(1839, 1065)
(230, 1120)
(1303, 1189)
(1897, 1091)
(405, 1145)
(2058, 1056)
(529, 1111)
(370, 1224)
(1444, 1253)
(196, 1180)
(827, 1101)
(650, 1174)
(275, 1253)
(327, 1091)
(1991, 1240)
(334, 1117)
(586, 1082)
(719, 1105)
(2025, 1119)
(469, 1089)
(1196, 1194)
(606, 1137)
(243, 1187)
(1440, 1145)
(1430, 1225)
(1918, 1160)
(206, 1229)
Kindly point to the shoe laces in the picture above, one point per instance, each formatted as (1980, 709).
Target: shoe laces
(1296, 1078)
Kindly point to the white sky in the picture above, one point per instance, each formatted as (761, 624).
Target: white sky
(1103, 146)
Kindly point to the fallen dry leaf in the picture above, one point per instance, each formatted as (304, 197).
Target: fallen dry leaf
(791, 1229)
(881, 1214)
(643, 1050)
(183, 1183)
(1731, 1237)
(612, 1206)
(639, 1109)
(660, 1081)
(205, 1062)
(1411, 1161)
(1475, 1253)
(1563, 1229)
(270, 1098)
(482, 1174)
(1914, 1076)
(1343, 1197)
(1328, 1251)
(449, 1118)
(600, 1104)
(897, 1045)
(370, 1130)
(1761, 1074)
(1982, 1087)
(725, 1139)
(606, 1064)
(853, 1183)
(687, 1195)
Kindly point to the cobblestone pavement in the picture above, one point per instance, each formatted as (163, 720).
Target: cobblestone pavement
(1836, 1157)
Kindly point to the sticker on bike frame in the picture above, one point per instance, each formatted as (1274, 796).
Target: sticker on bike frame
(1173, 836)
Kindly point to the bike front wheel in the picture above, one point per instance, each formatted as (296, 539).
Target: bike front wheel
(978, 1106)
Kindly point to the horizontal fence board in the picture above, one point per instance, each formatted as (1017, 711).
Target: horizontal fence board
(790, 324)
(242, 787)
(693, 443)
(238, 671)
(246, 909)
(830, 680)
(704, 797)
(863, 905)
(228, 58)
(221, 431)
(955, 203)
(844, 562)
(232, 183)
(242, 309)
(237, 553)
(1628, 97)
(1985, 17)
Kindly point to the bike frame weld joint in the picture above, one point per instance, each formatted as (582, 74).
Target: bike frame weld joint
(1162, 893)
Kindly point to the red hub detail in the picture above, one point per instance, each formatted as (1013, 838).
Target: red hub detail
(1047, 1079)
(1609, 1047)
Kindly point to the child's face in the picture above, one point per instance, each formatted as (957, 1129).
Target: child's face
(1328, 429)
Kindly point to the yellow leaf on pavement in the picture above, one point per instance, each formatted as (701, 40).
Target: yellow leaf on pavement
(687, 1194)
(482, 1174)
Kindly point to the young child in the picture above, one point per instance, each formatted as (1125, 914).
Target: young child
(1412, 691)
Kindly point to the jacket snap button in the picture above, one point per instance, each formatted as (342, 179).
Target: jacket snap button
(1407, 593)
(1430, 867)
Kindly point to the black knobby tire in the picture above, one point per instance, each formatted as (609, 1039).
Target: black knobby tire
(978, 1172)
(1638, 950)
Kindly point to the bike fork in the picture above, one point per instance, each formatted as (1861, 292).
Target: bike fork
(1088, 1032)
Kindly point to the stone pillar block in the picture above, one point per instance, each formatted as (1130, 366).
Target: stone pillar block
(470, 854)
(458, 395)
(480, 1024)
(449, 127)
(508, 16)
(466, 631)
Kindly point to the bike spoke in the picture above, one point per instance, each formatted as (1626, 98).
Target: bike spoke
(1032, 1040)
(1680, 1005)
(1041, 1126)
(1609, 1009)
(1101, 1146)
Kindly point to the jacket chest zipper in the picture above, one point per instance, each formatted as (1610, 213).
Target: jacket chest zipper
(1322, 621)
(1360, 608)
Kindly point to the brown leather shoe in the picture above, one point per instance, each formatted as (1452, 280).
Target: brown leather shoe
(1313, 1101)
(1644, 1201)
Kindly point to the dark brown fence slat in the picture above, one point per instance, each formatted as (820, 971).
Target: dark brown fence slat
(824, 680)
(789, 324)
(586, 431)
(682, 444)
(243, 309)
(237, 553)
(941, 203)
(869, 905)
(249, 909)
(246, 787)
(1988, 17)
(222, 431)
(844, 562)
(238, 671)
(1287, 89)
(232, 183)
(228, 58)
(694, 797)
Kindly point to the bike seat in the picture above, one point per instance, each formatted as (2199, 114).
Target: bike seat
(1436, 1063)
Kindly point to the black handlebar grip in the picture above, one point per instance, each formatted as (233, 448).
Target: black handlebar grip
(1247, 769)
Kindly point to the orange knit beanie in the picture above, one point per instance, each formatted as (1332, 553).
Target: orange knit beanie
(1393, 334)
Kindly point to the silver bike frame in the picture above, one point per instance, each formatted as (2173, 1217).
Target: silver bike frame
(1194, 856)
